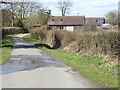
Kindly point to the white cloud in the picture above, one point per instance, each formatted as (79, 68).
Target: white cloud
(85, 7)
(96, 7)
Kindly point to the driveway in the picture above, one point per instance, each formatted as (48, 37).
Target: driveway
(29, 67)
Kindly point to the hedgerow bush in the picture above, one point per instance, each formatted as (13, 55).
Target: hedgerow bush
(11, 30)
(89, 27)
(59, 38)
(100, 43)
(54, 38)
(39, 33)
(91, 43)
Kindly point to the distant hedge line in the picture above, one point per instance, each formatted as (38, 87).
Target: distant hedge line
(91, 43)
(11, 30)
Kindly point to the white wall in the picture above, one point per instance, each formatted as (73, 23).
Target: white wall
(69, 28)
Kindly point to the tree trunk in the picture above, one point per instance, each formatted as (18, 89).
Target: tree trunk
(12, 21)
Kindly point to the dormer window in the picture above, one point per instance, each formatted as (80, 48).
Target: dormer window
(61, 19)
(52, 19)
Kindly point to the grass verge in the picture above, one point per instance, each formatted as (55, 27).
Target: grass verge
(7, 46)
(91, 67)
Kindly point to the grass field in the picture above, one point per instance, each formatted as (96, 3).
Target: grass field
(91, 67)
(7, 46)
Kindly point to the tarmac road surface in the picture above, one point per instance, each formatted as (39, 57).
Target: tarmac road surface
(29, 67)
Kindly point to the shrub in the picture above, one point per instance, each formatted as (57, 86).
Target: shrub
(68, 38)
(89, 28)
(19, 23)
(39, 33)
(54, 38)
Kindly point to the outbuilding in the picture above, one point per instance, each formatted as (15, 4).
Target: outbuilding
(69, 23)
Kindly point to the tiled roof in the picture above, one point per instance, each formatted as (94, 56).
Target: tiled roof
(67, 20)
(94, 18)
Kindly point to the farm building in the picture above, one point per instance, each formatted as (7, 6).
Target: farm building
(72, 23)
(97, 21)
(69, 23)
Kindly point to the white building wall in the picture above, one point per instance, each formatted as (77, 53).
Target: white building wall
(69, 28)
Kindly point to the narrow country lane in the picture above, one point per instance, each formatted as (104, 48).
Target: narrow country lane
(29, 67)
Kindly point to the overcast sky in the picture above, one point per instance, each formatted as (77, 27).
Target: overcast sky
(89, 8)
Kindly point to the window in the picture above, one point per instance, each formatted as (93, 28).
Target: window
(100, 21)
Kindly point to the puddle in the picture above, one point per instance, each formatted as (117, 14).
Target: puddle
(27, 62)
(51, 61)
(70, 71)
(20, 65)
(15, 66)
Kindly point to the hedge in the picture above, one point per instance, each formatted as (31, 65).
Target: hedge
(91, 43)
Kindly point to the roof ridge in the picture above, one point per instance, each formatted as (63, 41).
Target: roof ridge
(95, 17)
(70, 16)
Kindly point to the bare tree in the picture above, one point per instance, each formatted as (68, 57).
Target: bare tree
(18, 12)
(34, 8)
(23, 9)
(13, 9)
(112, 17)
(64, 6)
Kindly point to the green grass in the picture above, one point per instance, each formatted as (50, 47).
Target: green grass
(7, 46)
(91, 67)
(28, 37)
